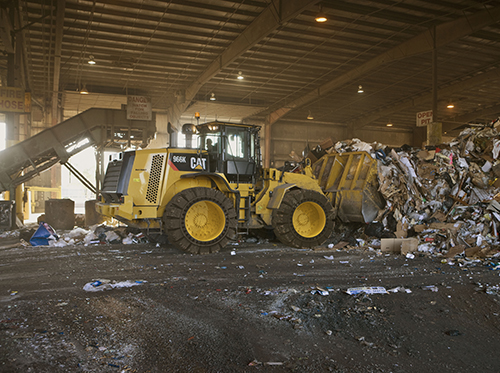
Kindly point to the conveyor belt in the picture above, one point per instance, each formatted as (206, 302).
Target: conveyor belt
(93, 127)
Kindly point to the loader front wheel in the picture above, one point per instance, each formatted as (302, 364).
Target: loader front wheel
(200, 220)
(304, 219)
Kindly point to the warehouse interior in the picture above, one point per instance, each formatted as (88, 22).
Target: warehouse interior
(363, 73)
(146, 227)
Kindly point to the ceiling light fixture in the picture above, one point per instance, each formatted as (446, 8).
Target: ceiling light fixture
(212, 98)
(240, 76)
(309, 116)
(84, 90)
(450, 105)
(91, 60)
(389, 124)
(321, 17)
(360, 89)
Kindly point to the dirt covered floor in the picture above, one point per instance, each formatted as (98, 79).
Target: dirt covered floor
(253, 307)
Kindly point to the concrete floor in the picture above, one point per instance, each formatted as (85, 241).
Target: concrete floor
(257, 309)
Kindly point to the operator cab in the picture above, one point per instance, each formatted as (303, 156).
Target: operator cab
(233, 149)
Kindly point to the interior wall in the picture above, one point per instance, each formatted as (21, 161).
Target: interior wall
(390, 137)
(288, 136)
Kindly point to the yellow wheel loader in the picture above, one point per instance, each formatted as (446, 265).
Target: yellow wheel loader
(203, 198)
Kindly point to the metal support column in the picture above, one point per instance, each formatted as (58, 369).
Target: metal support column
(434, 129)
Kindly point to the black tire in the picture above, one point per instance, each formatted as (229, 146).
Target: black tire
(195, 228)
(311, 208)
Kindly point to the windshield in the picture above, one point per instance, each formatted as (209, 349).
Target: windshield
(230, 142)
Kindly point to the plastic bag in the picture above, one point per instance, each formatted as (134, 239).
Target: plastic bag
(43, 234)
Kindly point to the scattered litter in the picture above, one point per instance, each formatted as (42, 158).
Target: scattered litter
(100, 285)
(367, 290)
(43, 235)
(400, 289)
(493, 290)
(494, 266)
(320, 291)
(432, 288)
(330, 257)
(112, 237)
(363, 341)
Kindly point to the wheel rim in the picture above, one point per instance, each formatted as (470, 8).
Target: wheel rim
(205, 221)
(309, 219)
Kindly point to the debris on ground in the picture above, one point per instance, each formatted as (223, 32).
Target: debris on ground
(45, 235)
(441, 200)
(367, 290)
(100, 285)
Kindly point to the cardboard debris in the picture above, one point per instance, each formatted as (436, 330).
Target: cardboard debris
(401, 229)
(328, 143)
(426, 155)
(428, 171)
(441, 200)
(401, 246)
(454, 251)
(452, 227)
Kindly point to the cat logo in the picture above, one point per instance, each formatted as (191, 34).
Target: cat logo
(183, 162)
(198, 163)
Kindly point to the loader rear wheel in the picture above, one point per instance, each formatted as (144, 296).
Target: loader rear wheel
(304, 219)
(200, 220)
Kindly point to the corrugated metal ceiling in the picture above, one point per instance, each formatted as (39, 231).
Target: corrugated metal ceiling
(163, 48)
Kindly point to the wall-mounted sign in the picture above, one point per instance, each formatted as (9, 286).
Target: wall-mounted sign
(424, 118)
(14, 100)
(139, 108)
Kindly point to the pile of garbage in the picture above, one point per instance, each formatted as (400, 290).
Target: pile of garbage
(45, 235)
(447, 196)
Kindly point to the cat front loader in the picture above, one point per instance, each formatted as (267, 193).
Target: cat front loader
(203, 198)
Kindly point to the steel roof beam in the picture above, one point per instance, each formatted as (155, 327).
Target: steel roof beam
(427, 98)
(422, 43)
(460, 120)
(170, 14)
(276, 14)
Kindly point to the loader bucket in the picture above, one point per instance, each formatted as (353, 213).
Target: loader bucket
(349, 180)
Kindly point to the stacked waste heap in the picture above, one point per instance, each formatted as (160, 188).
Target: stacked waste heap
(447, 195)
